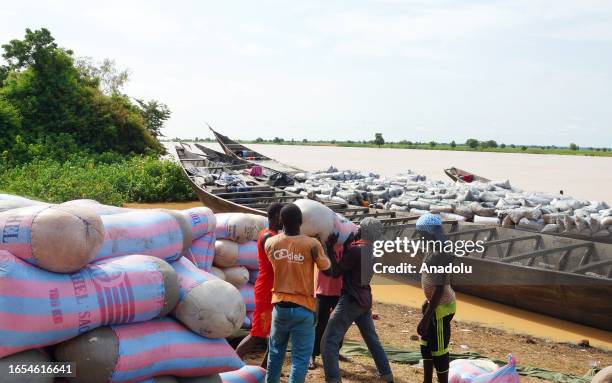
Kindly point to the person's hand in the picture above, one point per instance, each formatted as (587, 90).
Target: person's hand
(423, 327)
(332, 239)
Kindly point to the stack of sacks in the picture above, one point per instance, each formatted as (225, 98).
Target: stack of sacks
(139, 351)
(236, 253)
(98, 283)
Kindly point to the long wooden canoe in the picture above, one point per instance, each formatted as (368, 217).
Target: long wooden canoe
(461, 175)
(203, 169)
(238, 150)
(560, 277)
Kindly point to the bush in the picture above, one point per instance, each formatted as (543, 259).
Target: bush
(108, 178)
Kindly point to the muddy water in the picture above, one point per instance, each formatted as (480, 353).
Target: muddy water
(471, 308)
(578, 176)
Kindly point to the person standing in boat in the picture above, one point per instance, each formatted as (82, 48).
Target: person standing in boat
(293, 257)
(262, 316)
(355, 303)
(439, 306)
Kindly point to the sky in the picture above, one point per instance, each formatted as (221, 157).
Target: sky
(523, 72)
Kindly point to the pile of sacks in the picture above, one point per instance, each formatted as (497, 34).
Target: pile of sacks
(124, 293)
(492, 203)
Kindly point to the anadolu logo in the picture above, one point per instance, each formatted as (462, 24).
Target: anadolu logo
(285, 254)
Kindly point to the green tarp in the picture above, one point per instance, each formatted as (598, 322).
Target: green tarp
(398, 355)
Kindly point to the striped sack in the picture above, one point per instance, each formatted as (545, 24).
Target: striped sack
(143, 350)
(207, 305)
(247, 255)
(248, 295)
(247, 374)
(253, 274)
(202, 251)
(248, 320)
(466, 371)
(40, 308)
(344, 227)
(164, 234)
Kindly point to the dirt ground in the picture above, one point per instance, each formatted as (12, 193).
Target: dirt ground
(396, 325)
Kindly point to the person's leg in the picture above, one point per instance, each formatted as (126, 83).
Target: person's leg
(440, 355)
(427, 362)
(325, 305)
(339, 323)
(368, 332)
(302, 341)
(279, 336)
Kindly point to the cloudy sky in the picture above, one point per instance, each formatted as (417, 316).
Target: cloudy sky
(524, 71)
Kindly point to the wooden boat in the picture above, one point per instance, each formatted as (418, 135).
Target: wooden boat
(254, 195)
(463, 176)
(233, 148)
(560, 277)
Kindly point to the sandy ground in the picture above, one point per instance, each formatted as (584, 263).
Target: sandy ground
(397, 323)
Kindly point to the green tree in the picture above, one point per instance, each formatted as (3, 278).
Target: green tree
(155, 115)
(378, 139)
(502, 145)
(259, 139)
(278, 140)
(453, 144)
(110, 79)
(432, 144)
(304, 140)
(523, 148)
(472, 143)
(489, 144)
(53, 98)
(573, 146)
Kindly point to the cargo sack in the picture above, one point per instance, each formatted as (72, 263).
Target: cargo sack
(40, 308)
(10, 202)
(253, 274)
(343, 227)
(238, 227)
(238, 276)
(248, 320)
(247, 374)
(317, 219)
(217, 272)
(474, 371)
(487, 220)
(139, 351)
(96, 206)
(248, 296)
(207, 305)
(202, 251)
(226, 253)
(164, 234)
(55, 238)
(28, 358)
(247, 255)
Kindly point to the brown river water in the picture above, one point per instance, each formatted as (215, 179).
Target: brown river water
(578, 176)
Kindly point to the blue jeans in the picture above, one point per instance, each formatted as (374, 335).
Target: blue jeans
(297, 324)
(346, 312)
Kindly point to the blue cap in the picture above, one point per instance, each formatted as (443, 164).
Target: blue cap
(431, 223)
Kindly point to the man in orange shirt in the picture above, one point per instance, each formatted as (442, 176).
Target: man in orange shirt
(293, 257)
(262, 317)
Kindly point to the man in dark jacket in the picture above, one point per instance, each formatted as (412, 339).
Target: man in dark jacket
(355, 304)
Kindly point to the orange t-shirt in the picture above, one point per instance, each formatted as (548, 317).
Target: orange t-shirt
(293, 258)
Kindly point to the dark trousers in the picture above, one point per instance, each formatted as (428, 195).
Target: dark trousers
(325, 306)
(346, 312)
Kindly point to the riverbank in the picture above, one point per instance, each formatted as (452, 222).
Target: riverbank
(397, 323)
(522, 149)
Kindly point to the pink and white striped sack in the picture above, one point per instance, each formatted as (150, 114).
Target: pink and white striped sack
(202, 251)
(247, 255)
(158, 347)
(465, 371)
(247, 374)
(248, 295)
(164, 234)
(40, 308)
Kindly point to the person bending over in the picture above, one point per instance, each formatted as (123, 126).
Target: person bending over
(439, 306)
(355, 303)
(262, 316)
(293, 257)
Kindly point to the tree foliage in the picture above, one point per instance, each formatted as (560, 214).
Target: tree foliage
(378, 139)
(155, 114)
(472, 143)
(45, 96)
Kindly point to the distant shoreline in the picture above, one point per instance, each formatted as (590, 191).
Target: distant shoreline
(595, 152)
